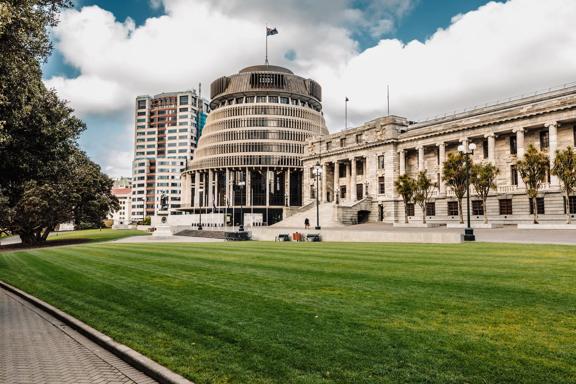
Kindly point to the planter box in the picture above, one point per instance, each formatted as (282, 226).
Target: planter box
(416, 225)
(547, 226)
(475, 225)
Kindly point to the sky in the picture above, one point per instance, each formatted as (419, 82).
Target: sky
(437, 56)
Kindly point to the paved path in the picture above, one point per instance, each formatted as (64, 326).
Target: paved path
(37, 348)
(167, 239)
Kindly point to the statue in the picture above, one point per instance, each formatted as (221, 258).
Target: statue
(163, 202)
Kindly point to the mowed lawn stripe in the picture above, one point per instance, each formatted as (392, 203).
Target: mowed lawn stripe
(314, 313)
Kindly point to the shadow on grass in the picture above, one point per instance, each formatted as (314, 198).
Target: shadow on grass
(47, 244)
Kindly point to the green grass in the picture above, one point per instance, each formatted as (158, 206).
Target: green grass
(93, 235)
(322, 313)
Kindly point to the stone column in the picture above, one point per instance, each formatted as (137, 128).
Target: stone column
(287, 186)
(519, 143)
(553, 141)
(420, 159)
(209, 189)
(402, 155)
(491, 147)
(441, 160)
(324, 190)
(196, 189)
(227, 193)
(353, 196)
(348, 179)
(267, 178)
(248, 188)
(336, 182)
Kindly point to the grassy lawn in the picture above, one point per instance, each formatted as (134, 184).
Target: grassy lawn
(325, 312)
(94, 235)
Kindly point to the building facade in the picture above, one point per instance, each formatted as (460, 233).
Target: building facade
(250, 153)
(360, 165)
(166, 132)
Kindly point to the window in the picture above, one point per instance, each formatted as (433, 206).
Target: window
(183, 100)
(544, 140)
(505, 206)
(485, 148)
(431, 209)
(410, 209)
(312, 192)
(539, 206)
(381, 162)
(141, 113)
(183, 109)
(513, 146)
(343, 142)
(239, 100)
(452, 208)
(260, 99)
(359, 138)
(328, 145)
(284, 100)
(359, 167)
(513, 175)
(312, 175)
(341, 170)
(249, 99)
(272, 99)
(343, 192)
(477, 207)
(141, 104)
(381, 185)
(571, 205)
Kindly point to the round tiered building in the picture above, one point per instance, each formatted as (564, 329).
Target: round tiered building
(249, 153)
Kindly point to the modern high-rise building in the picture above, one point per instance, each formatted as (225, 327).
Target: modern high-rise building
(166, 133)
(249, 154)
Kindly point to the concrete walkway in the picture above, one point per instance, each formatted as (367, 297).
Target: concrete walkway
(37, 348)
(167, 239)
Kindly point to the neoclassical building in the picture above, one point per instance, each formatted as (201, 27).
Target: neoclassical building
(250, 152)
(361, 164)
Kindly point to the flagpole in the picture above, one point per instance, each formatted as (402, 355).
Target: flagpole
(346, 113)
(266, 62)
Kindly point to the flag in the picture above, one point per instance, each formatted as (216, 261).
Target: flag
(271, 31)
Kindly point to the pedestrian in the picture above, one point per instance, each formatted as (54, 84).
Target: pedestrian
(306, 223)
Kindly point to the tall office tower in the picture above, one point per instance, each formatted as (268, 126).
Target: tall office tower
(249, 155)
(166, 133)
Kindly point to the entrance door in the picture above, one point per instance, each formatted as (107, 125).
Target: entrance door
(359, 191)
(380, 212)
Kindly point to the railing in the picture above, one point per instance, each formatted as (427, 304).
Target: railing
(500, 101)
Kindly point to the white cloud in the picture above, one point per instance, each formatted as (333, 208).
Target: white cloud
(499, 50)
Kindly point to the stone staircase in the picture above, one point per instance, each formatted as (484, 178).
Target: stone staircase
(348, 213)
(209, 234)
(327, 217)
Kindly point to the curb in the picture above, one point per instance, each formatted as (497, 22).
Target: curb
(130, 356)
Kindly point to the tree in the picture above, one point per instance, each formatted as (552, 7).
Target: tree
(405, 186)
(424, 187)
(44, 178)
(455, 174)
(532, 168)
(564, 168)
(483, 178)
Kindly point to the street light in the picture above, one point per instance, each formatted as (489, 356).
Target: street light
(467, 151)
(201, 200)
(318, 173)
(241, 184)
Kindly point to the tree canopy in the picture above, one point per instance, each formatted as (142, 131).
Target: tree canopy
(44, 177)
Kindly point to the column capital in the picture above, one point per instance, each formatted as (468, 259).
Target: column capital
(551, 124)
(491, 134)
(516, 130)
(463, 139)
(442, 144)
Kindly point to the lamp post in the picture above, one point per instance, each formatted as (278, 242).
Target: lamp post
(468, 150)
(241, 184)
(318, 173)
(201, 201)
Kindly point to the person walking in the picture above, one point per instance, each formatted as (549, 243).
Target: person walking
(306, 223)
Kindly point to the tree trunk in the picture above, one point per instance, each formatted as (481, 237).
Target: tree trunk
(568, 215)
(535, 210)
(485, 211)
(405, 213)
(423, 214)
(460, 211)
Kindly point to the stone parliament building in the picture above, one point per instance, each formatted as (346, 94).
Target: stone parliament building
(361, 164)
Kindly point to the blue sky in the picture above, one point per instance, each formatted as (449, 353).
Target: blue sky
(432, 61)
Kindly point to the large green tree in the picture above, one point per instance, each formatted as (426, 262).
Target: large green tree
(405, 186)
(564, 168)
(44, 178)
(455, 174)
(483, 178)
(532, 168)
(423, 190)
